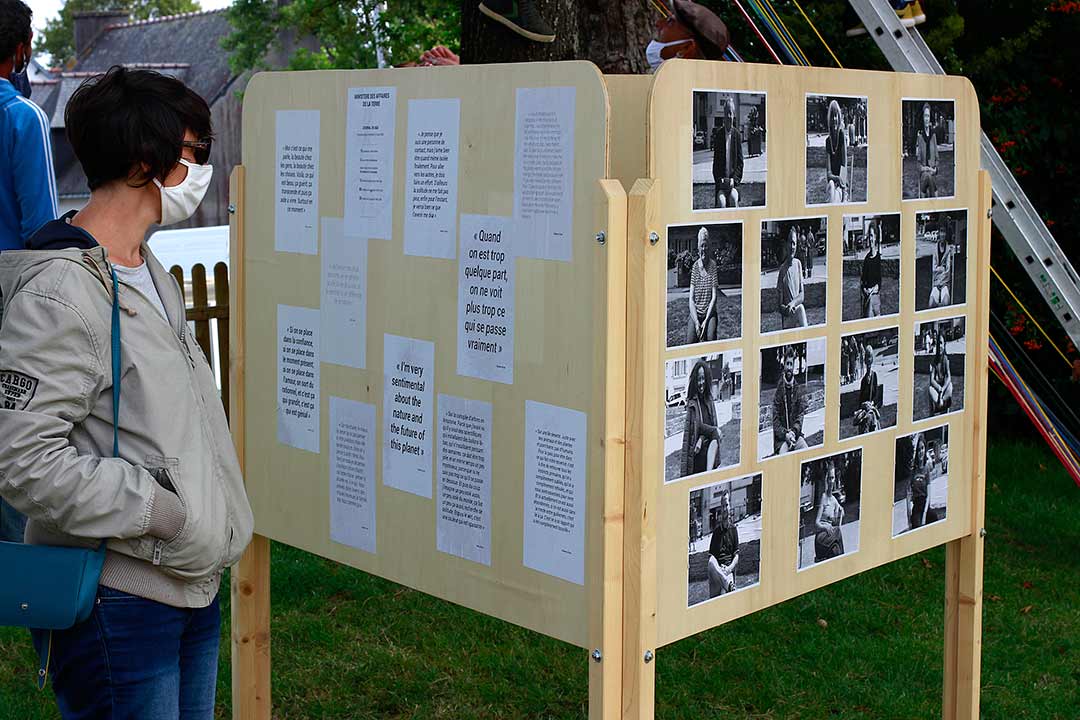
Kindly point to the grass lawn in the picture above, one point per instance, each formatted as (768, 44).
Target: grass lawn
(852, 304)
(751, 194)
(729, 448)
(348, 645)
(728, 315)
(946, 183)
(816, 193)
(887, 416)
(773, 321)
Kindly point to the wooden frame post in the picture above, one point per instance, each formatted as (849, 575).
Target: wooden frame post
(964, 557)
(643, 326)
(251, 577)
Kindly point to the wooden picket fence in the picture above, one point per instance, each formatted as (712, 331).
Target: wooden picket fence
(211, 321)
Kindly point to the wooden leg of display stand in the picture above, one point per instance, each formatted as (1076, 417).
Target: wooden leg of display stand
(964, 557)
(251, 576)
(605, 654)
(644, 343)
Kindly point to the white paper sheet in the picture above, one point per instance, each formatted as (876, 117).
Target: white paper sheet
(296, 182)
(352, 473)
(343, 306)
(298, 377)
(486, 298)
(463, 516)
(408, 384)
(555, 456)
(544, 171)
(369, 162)
(431, 178)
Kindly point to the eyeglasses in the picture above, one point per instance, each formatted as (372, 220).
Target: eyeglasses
(201, 148)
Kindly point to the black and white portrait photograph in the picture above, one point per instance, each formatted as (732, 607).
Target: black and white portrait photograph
(725, 539)
(940, 346)
(921, 481)
(791, 415)
(704, 283)
(703, 410)
(871, 266)
(837, 148)
(940, 259)
(793, 273)
(829, 497)
(929, 139)
(869, 381)
(729, 156)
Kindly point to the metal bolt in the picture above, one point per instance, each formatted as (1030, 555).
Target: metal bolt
(601, 237)
(648, 656)
(982, 532)
(232, 209)
(653, 238)
(989, 213)
(25, 606)
(597, 656)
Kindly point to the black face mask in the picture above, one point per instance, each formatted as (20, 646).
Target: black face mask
(21, 81)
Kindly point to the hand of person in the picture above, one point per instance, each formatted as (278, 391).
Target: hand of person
(790, 437)
(439, 55)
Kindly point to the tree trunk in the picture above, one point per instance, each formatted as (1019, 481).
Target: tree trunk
(611, 34)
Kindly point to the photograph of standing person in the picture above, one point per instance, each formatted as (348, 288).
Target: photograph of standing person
(921, 479)
(940, 347)
(940, 259)
(837, 148)
(869, 382)
(829, 504)
(793, 273)
(725, 556)
(729, 151)
(792, 398)
(703, 404)
(704, 283)
(929, 137)
(871, 266)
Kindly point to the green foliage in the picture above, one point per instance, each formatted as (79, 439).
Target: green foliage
(58, 37)
(345, 31)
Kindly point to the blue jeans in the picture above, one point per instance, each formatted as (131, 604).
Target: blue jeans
(134, 659)
(12, 523)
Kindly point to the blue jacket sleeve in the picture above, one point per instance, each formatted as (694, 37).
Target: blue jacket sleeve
(35, 181)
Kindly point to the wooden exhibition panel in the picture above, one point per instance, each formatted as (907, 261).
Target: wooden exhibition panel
(568, 349)
(671, 131)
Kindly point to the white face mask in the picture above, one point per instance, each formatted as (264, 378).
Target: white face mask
(652, 51)
(179, 202)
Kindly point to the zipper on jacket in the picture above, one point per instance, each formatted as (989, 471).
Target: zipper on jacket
(158, 545)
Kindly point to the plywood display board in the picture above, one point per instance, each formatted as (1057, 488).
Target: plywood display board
(720, 473)
(558, 357)
(782, 114)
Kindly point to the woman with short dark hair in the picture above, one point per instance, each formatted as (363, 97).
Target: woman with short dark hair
(163, 489)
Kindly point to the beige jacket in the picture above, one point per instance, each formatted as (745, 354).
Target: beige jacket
(172, 506)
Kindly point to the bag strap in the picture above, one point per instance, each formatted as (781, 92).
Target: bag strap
(116, 362)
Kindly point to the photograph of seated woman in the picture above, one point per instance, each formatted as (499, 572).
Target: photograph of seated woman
(789, 285)
(940, 259)
(869, 381)
(870, 278)
(703, 281)
(921, 481)
(939, 368)
(837, 148)
(868, 416)
(929, 141)
(701, 436)
(829, 501)
(942, 268)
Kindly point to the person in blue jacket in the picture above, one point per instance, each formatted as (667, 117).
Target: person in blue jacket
(27, 183)
(28, 197)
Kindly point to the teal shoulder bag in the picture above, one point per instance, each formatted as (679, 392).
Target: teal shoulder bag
(54, 588)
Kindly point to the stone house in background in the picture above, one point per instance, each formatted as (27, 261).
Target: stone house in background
(187, 47)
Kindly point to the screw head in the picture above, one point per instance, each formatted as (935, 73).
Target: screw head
(648, 656)
(24, 606)
(232, 209)
(653, 238)
(601, 237)
(982, 532)
(597, 656)
(990, 213)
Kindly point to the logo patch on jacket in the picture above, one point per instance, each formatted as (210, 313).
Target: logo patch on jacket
(16, 389)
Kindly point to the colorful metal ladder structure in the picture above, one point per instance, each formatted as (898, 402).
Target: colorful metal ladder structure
(1014, 215)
